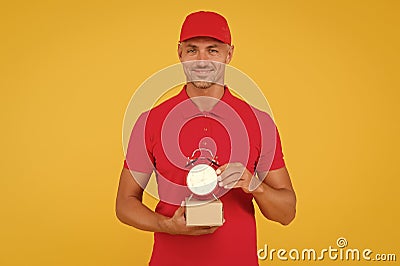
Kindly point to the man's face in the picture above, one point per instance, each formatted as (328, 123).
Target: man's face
(204, 60)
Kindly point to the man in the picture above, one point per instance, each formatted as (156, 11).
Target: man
(241, 143)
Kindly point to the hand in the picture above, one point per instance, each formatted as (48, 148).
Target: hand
(176, 225)
(235, 175)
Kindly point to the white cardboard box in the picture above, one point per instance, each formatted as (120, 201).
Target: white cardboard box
(203, 214)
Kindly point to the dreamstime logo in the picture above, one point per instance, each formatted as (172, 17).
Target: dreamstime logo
(341, 242)
(332, 253)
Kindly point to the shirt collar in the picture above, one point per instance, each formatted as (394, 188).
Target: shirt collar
(190, 110)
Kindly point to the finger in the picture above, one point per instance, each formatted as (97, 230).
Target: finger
(235, 184)
(204, 231)
(180, 211)
(213, 229)
(200, 227)
(228, 172)
(232, 177)
(221, 169)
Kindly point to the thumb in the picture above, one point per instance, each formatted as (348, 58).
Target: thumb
(180, 211)
(221, 169)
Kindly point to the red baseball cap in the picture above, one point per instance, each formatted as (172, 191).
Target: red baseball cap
(205, 23)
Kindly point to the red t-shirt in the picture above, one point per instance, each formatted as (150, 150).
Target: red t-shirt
(163, 139)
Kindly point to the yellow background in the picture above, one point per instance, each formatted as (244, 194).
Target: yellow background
(330, 70)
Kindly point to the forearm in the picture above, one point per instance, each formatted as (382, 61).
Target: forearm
(276, 204)
(131, 211)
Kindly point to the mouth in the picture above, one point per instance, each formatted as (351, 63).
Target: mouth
(202, 71)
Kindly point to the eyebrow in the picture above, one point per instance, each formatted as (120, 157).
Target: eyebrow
(210, 46)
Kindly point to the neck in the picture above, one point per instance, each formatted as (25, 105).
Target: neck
(213, 94)
(214, 91)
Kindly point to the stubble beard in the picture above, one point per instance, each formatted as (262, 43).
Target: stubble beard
(202, 84)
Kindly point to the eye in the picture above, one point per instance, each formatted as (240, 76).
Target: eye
(191, 51)
(213, 51)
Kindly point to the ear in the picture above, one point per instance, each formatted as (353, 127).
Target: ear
(180, 51)
(230, 54)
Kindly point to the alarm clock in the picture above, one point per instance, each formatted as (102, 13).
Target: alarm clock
(202, 180)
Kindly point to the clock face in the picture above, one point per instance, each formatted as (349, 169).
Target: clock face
(202, 179)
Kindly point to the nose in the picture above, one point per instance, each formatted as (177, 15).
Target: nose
(202, 55)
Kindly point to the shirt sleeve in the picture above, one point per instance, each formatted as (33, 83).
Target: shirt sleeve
(271, 155)
(138, 156)
(278, 161)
